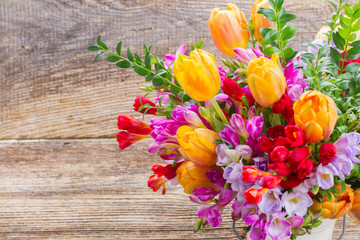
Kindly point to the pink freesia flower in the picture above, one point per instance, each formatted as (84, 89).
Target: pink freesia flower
(171, 58)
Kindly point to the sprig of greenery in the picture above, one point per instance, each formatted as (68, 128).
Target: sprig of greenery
(161, 77)
(281, 34)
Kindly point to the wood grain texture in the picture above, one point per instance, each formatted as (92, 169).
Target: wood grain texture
(49, 87)
(89, 189)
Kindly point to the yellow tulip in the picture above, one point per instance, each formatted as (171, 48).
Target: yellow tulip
(198, 75)
(191, 176)
(228, 29)
(259, 20)
(197, 145)
(334, 209)
(266, 80)
(316, 114)
(322, 33)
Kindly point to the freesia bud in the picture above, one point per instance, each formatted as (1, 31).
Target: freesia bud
(252, 174)
(228, 29)
(198, 75)
(253, 195)
(237, 123)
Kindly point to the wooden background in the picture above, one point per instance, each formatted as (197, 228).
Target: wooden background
(62, 175)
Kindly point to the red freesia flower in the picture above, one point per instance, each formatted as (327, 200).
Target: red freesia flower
(253, 195)
(162, 173)
(284, 107)
(141, 101)
(279, 154)
(327, 152)
(294, 135)
(266, 144)
(252, 174)
(276, 131)
(304, 168)
(280, 168)
(281, 141)
(299, 154)
(347, 62)
(292, 181)
(126, 139)
(271, 181)
(231, 88)
(133, 125)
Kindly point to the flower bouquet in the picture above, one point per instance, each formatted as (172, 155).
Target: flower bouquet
(272, 134)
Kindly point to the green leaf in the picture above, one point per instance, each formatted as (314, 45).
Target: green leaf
(199, 44)
(112, 58)
(345, 22)
(159, 72)
(268, 13)
(269, 51)
(93, 48)
(118, 48)
(343, 33)
(157, 82)
(334, 190)
(343, 186)
(355, 44)
(174, 89)
(101, 43)
(150, 77)
(348, 10)
(328, 195)
(141, 71)
(129, 55)
(270, 37)
(98, 56)
(356, 26)
(352, 37)
(288, 52)
(288, 32)
(332, 4)
(308, 56)
(124, 64)
(352, 67)
(279, 4)
(354, 53)
(287, 18)
(148, 61)
(339, 41)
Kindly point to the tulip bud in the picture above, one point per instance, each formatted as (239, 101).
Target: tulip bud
(266, 81)
(228, 29)
(355, 210)
(197, 145)
(316, 114)
(191, 176)
(259, 20)
(198, 75)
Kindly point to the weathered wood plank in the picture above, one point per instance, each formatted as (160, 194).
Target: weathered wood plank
(49, 87)
(89, 189)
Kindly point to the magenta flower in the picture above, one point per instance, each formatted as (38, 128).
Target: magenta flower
(230, 136)
(212, 214)
(277, 227)
(237, 123)
(295, 81)
(254, 127)
(245, 55)
(258, 231)
(204, 193)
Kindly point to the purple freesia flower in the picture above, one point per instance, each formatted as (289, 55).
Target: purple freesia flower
(237, 123)
(245, 55)
(271, 202)
(249, 213)
(204, 193)
(295, 81)
(325, 176)
(223, 71)
(212, 214)
(230, 136)
(233, 171)
(296, 202)
(348, 144)
(254, 126)
(258, 231)
(277, 227)
(222, 157)
(341, 165)
(261, 163)
(295, 221)
(254, 145)
(162, 98)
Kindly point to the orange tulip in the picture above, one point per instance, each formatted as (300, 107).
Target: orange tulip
(266, 80)
(191, 176)
(197, 145)
(334, 209)
(355, 210)
(316, 114)
(259, 20)
(228, 29)
(198, 75)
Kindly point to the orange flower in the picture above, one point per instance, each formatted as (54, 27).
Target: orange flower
(266, 80)
(334, 209)
(197, 145)
(191, 176)
(316, 114)
(228, 29)
(355, 210)
(259, 20)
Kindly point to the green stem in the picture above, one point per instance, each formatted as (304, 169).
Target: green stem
(219, 111)
(149, 71)
(279, 37)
